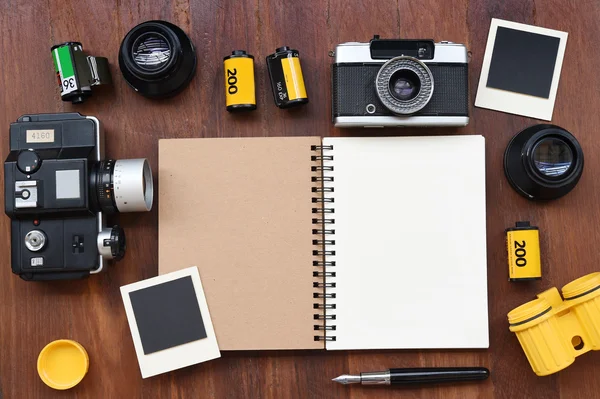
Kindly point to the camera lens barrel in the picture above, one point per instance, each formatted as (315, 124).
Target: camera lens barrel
(101, 184)
(124, 185)
(157, 59)
(133, 187)
(543, 162)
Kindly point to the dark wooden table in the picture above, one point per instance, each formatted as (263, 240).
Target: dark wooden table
(91, 311)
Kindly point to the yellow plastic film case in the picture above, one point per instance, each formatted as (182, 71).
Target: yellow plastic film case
(240, 92)
(553, 331)
(523, 247)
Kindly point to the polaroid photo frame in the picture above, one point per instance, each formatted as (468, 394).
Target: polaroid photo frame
(532, 92)
(169, 321)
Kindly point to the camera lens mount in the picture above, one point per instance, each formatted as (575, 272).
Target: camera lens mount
(404, 85)
(157, 59)
(543, 162)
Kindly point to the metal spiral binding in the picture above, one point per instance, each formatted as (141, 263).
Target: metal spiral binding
(323, 241)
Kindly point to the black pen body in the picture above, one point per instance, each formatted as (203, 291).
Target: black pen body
(436, 375)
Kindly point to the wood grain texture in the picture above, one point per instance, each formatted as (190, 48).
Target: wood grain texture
(91, 312)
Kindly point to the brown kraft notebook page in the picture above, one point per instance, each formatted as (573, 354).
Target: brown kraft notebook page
(240, 209)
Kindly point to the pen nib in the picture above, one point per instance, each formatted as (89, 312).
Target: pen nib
(346, 379)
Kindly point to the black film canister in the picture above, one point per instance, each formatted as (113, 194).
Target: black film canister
(286, 78)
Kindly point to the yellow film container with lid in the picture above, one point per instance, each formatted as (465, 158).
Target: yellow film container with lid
(240, 92)
(523, 247)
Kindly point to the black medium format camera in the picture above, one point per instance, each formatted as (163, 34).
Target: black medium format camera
(400, 83)
(57, 191)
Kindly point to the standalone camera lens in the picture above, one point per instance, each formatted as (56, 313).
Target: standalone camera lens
(124, 185)
(404, 85)
(157, 59)
(543, 162)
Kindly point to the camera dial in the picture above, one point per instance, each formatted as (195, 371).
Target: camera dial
(111, 243)
(404, 85)
(35, 240)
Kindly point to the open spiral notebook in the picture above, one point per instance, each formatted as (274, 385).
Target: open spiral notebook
(336, 243)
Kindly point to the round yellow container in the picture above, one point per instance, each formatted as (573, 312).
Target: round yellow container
(62, 364)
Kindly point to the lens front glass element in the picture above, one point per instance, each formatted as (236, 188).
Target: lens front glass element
(552, 157)
(151, 51)
(404, 85)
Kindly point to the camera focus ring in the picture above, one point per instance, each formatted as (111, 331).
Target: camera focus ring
(404, 85)
(104, 187)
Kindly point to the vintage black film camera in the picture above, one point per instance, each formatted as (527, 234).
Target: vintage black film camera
(400, 83)
(58, 189)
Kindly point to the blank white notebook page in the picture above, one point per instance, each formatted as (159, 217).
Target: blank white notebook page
(410, 242)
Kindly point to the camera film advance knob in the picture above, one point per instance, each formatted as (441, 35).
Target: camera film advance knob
(28, 161)
(35, 240)
(111, 243)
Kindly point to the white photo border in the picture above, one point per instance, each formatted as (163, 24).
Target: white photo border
(182, 355)
(518, 103)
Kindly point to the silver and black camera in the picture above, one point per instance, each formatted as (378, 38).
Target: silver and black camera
(58, 189)
(400, 83)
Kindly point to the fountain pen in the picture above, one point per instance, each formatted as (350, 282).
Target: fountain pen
(428, 375)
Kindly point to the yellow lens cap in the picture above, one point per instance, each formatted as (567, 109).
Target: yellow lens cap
(62, 364)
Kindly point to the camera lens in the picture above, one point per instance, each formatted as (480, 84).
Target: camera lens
(404, 85)
(151, 51)
(543, 162)
(552, 157)
(124, 185)
(157, 59)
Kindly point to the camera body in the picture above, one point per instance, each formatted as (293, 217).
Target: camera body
(400, 83)
(57, 192)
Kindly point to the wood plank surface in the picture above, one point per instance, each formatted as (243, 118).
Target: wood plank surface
(91, 312)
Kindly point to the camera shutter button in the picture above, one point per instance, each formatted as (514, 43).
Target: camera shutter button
(28, 161)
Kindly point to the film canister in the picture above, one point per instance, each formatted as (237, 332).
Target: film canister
(286, 78)
(239, 81)
(523, 245)
(77, 72)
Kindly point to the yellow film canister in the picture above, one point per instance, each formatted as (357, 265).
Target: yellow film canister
(62, 364)
(240, 93)
(523, 246)
(286, 78)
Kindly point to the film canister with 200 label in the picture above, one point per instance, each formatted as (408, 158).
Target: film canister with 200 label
(523, 246)
(240, 93)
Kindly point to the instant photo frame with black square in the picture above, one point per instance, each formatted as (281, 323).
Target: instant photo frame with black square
(521, 69)
(169, 321)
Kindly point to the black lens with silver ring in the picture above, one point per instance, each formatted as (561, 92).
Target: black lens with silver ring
(404, 85)
(157, 59)
(543, 162)
(123, 185)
